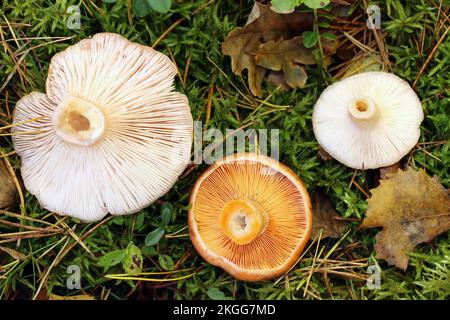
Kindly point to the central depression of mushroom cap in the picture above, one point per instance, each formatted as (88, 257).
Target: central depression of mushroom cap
(110, 135)
(368, 120)
(251, 216)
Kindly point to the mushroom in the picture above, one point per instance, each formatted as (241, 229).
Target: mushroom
(368, 120)
(110, 135)
(250, 215)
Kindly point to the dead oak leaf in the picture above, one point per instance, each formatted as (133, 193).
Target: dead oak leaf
(325, 217)
(8, 190)
(286, 55)
(242, 44)
(412, 208)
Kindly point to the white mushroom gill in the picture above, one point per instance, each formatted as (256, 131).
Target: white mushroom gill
(369, 120)
(110, 135)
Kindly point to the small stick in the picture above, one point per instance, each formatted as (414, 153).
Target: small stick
(430, 57)
(176, 23)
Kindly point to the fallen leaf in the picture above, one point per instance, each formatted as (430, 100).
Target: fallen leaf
(325, 217)
(13, 253)
(8, 191)
(385, 172)
(78, 297)
(242, 44)
(323, 155)
(373, 176)
(371, 62)
(412, 208)
(277, 79)
(286, 55)
(255, 13)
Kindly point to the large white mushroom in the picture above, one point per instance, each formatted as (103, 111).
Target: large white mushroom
(369, 120)
(110, 135)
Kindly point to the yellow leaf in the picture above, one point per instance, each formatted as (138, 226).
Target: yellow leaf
(412, 208)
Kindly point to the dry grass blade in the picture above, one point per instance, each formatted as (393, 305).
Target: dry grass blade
(176, 23)
(430, 56)
(316, 255)
(134, 278)
(153, 273)
(52, 265)
(87, 234)
(20, 217)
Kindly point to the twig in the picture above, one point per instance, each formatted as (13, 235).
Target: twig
(430, 56)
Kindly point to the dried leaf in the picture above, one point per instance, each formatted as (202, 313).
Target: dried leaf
(385, 172)
(277, 79)
(368, 63)
(412, 208)
(8, 191)
(323, 155)
(242, 44)
(325, 217)
(286, 55)
(78, 297)
(255, 13)
(13, 253)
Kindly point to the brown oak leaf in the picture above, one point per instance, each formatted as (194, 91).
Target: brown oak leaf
(286, 55)
(242, 44)
(7, 187)
(325, 217)
(412, 208)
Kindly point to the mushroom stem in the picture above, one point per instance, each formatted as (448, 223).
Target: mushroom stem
(363, 109)
(243, 221)
(79, 121)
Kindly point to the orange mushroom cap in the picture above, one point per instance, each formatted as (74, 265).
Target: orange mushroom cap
(251, 216)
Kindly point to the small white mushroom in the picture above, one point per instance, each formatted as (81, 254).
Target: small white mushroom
(369, 120)
(110, 135)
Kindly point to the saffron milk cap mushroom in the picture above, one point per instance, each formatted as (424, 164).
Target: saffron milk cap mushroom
(250, 215)
(368, 120)
(110, 134)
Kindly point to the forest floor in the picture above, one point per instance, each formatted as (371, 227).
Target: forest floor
(37, 252)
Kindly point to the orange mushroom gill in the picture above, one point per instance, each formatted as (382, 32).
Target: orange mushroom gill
(251, 216)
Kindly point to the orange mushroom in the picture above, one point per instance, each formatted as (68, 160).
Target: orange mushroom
(251, 216)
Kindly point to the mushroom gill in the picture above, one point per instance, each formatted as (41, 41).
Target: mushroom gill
(252, 212)
(110, 135)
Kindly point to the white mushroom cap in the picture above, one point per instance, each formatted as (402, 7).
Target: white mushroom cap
(368, 120)
(111, 135)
